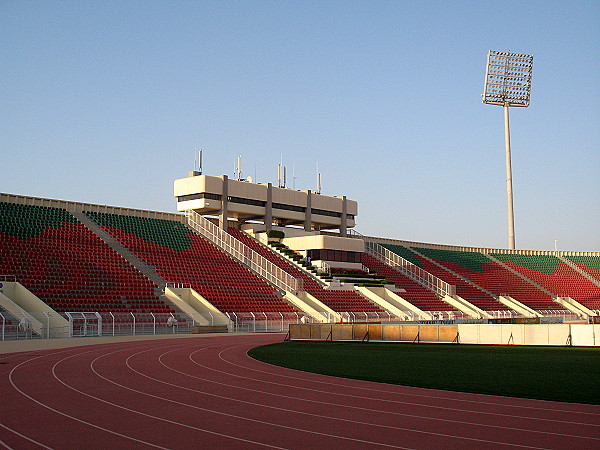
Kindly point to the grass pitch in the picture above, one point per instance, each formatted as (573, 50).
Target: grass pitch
(568, 374)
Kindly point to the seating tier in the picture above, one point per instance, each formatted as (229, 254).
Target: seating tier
(464, 289)
(416, 294)
(69, 267)
(180, 256)
(338, 300)
(554, 275)
(491, 276)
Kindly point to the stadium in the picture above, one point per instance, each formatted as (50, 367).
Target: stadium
(253, 257)
(147, 305)
(189, 294)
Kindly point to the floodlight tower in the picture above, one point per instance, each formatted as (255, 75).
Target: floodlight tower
(508, 83)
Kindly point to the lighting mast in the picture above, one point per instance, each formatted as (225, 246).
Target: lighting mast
(508, 83)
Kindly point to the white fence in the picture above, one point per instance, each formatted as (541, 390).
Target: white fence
(244, 254)
(83, 324)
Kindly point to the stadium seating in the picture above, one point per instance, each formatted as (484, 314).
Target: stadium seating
(464, 289)
(554, 275)
(486, 273)
(71, 269)
(416, 294)
(338, 300)
(181, 256)
(589, 264)
(67, 266)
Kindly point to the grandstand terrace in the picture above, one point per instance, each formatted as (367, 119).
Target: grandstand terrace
(75, 257)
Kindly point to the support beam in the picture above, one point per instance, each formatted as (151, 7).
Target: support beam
(307, 217)
(223, 213)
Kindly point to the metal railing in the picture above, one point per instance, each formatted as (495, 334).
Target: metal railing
(8, 278)
(244, 254)
(18, 326)
(409, 269)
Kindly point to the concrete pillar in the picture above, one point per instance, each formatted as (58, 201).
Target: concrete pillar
(307, 216)
(269, 207)
(223, 213)
(343, 226)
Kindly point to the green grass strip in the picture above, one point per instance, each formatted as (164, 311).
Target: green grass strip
(567, 374)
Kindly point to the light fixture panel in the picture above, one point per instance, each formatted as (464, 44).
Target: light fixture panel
(508, 79)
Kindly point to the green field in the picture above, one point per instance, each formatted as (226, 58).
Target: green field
(569, 374)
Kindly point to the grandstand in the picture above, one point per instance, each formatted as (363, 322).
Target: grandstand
(243, 251)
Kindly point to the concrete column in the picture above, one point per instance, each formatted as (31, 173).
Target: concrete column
(307, 216)
(269, 207)
(343, 226)
(223, 213)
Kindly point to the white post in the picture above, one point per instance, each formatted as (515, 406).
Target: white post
(253, 322)
(113, 322)
(153, 324)
(509, 190)
(47, 325)
(70, 324)
(281, 321)
(133, 323)
(99, 317)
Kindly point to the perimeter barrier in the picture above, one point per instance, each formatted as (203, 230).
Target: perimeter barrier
(471, 333)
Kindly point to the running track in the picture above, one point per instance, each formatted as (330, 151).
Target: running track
(206, 392)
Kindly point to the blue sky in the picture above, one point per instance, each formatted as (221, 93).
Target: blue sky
(108, 101)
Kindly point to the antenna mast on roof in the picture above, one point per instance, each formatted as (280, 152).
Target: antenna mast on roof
(238, 169)
(278, 175)
(318, 180)
(200, 162)
(281, 174)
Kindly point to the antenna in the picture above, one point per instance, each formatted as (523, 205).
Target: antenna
(278, 175)
(318, 179)
(238, 170)
(284, 176)
(200, 162)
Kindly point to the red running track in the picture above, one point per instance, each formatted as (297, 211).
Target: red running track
(206, 392)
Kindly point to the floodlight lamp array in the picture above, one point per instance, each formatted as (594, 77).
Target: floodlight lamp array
(508, 79)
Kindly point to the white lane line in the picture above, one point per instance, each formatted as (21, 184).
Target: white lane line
(255, 390)
(33, 441)
(354, 396)
(142, 413)
(312, 414)
(12, 382)
(231, 415)
(350, 380)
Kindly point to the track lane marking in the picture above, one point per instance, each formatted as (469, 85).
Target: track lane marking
(382, 391)
(450, 393)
